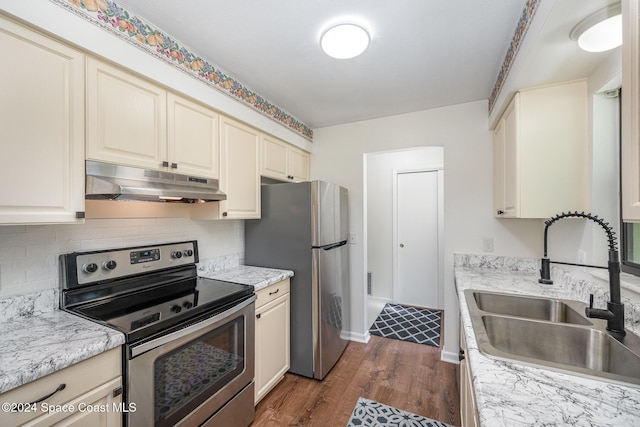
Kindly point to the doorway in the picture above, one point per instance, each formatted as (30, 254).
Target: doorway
(380, 171)
(417, 236)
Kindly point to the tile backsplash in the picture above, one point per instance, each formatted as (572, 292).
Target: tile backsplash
(29, 253)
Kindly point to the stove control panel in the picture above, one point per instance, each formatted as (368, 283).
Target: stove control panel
(163, 311)
(96, 266)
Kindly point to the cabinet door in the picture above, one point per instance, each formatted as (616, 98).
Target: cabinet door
(193, 138)
(298, 164)
(505, 164)
(498, 170)
(511, 167)
(126, 118)
(42, 125)
(272, 345)
(630, 147)
(274, 158)
(239, 175)
(96, 408)
(468, 408)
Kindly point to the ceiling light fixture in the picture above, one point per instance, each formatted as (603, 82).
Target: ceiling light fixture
(344, 41)
(600, 31)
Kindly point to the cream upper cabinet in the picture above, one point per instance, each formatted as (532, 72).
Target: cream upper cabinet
(92, 383)
(298, 164)
(193, 138)
(630, 164)
(42, 126)
(126, 118)
(540, 153)
(272, 337)
(283, 161)
(239, 170)
(133, 122)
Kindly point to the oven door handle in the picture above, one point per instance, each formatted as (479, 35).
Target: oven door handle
(144, 347)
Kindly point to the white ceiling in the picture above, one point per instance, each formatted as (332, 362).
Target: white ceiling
(423, 53)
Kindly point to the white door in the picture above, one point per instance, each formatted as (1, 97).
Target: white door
(417, 278)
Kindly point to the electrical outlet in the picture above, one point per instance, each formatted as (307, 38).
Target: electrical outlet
(487, 244)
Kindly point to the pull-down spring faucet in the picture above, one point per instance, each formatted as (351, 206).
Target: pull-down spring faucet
(614, 314)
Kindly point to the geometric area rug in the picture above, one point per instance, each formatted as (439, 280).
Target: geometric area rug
(406, 323)
(369, 413)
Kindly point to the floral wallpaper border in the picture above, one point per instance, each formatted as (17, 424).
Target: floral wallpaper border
(108, 15)
(521, 29)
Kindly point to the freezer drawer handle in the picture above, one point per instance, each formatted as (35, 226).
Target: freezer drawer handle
(274, 292)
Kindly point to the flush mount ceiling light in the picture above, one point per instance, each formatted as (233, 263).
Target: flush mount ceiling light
(600, 31)
(344, 41)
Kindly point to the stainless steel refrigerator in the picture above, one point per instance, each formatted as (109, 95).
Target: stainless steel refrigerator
(304, 228)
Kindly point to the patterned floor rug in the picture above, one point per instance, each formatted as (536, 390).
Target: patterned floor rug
(415, 324)
(369, 413)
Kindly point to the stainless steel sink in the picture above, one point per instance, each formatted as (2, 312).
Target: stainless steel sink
(508, 327)
(552, 310)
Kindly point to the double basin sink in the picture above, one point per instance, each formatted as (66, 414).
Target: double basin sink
(554, 333)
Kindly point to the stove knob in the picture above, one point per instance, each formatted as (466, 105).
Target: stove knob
(176, 254)
(187, 305)
(175, 309)
(90, 268)
(110, 265)
(188, 252)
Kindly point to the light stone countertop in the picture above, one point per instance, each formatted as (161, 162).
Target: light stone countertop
(37, 339)
(509, 394)
(258, 277)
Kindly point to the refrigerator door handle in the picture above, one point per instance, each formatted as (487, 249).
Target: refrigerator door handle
(331, 245)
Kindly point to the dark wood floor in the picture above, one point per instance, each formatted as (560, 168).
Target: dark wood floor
(405, 375)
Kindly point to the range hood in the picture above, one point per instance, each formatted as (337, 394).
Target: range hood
(106, 181)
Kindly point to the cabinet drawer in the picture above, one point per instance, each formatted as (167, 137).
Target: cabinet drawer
(78, 379)
(272, 292)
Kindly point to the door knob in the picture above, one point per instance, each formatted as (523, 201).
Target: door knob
(402, 245)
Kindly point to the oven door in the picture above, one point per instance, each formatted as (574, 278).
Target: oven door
(185, 377)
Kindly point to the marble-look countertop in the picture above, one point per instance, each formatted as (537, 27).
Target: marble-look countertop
(37, 339)
(258, 277)
(511, 394)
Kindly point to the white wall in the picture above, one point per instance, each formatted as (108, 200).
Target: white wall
(462, 130)
(29, 253)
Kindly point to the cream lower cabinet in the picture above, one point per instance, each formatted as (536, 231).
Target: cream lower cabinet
(42, 127)
(540, 153)
(272, 337)
(132, 121)
(92, 396)
(283, 161)
(630, 147)
(468, 409)
(239, 175)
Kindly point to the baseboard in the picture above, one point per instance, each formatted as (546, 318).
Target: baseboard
(450, 357)
(357, 337)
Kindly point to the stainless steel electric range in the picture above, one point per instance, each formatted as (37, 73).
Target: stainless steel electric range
(189, 352)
